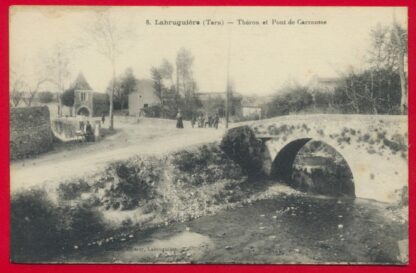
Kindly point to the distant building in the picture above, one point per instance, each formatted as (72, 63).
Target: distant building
(323, 84)
(251, 106)
(90, 103)
(251, 111)
(206, 98)
(86, 101)
(312, 162)
(144, 97)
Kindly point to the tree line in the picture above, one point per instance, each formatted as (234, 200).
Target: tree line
(379, 88)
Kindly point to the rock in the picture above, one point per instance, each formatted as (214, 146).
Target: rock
(274, 217)
(297, 250)
(187, 228)
(262, 215)
(340, 226)
(131, 236)
(228, 247)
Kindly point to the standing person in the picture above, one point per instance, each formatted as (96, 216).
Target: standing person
(179, 122)
(89, 133)
(210, 119)
(206, 120)
(193, 121)
(202, 120)
(103, 118)
(216, 121)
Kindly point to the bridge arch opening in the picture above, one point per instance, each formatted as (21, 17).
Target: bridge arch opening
(313, 166)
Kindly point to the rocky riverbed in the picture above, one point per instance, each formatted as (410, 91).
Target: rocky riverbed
(289, 228)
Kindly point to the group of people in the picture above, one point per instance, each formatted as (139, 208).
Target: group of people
(201, 121)
(87, 131)
(204, 121)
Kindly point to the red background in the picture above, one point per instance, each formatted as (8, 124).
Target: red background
(6, 266)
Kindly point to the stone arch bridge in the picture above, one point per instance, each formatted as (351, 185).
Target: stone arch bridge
(374, 146)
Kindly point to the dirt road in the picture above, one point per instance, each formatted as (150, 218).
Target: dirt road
(149, 136)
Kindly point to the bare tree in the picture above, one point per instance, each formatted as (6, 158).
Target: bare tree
(184, 73)
(166, 70)
(400, 42)
(17, 86)
(389, 52)
(57, 70)
(108, 37)
(31, 92)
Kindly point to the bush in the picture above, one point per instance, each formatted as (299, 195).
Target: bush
(72, 190)
(40, 228)
(153, 111)
(207, 165)
(68, 97)
(130, 184)
(45, 97)
(242, 146)
(34, 230)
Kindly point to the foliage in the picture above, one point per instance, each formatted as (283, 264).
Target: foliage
(130, 184)
(293, 99)
(206, 165)
(45, 96)
(123, 86)
(40, 230)
(214, 105)
(153, 111)
(68, 97)
(158, 82)
(242, 146)
(375, 92)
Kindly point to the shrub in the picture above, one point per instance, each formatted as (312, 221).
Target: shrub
(72, 190)
(45, 97)
(41, 228)
(242, 146)
(153, 111)
(206, 165)
(68, 97)
(34, 226)
(129, 183)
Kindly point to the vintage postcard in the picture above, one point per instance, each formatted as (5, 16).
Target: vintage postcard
(209, 135)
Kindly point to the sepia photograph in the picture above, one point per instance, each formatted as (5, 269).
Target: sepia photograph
(208, 135)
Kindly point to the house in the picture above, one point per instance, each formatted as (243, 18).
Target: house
(323, 84)
(144, 97)
(251, 107)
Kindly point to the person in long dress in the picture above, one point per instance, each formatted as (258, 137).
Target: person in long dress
(179, 121)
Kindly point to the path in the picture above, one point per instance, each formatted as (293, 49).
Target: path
(151, 137)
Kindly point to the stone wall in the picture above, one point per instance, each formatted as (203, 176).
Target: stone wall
(30, 131)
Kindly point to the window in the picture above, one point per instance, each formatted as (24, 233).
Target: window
(83, 96)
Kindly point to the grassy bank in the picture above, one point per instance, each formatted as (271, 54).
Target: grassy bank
(138, 193)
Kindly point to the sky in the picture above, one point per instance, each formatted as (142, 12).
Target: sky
(261, 58)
